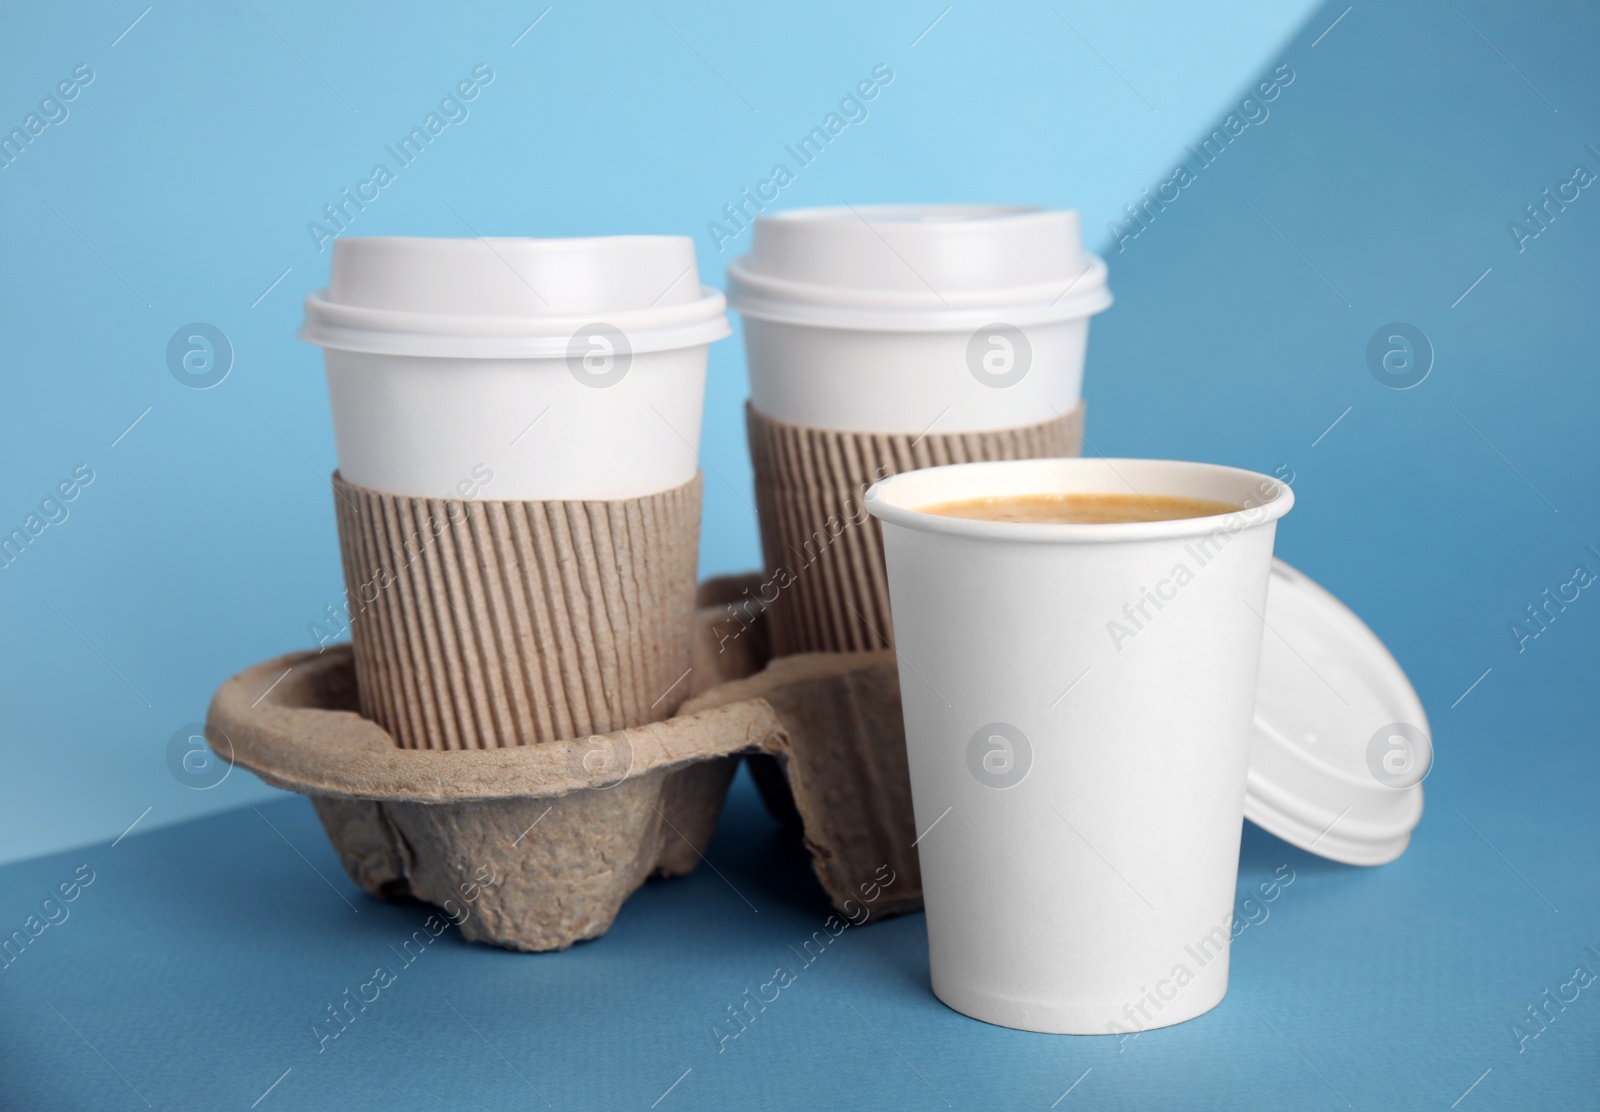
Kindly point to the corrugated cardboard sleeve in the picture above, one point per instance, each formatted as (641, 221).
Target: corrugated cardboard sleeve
(483, 624)
(824, 553)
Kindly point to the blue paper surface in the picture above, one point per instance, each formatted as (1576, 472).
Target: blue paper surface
(1383, 189)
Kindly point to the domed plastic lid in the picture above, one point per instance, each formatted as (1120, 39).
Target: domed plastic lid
(1340, 744)
(488, 298)
(917, 268)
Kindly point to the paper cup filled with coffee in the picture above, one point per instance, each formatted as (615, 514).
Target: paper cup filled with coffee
(516, 423)
(881, 339)
(1079, 644)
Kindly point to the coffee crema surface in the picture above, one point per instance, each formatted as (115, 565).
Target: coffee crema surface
(1080, 508)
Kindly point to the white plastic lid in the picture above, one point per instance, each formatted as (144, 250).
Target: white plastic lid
(511, 298)
(1341, 743)
(917, 268)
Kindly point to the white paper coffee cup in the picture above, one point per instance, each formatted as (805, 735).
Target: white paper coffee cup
(898, 319)
(1078, 704)
(565, 369)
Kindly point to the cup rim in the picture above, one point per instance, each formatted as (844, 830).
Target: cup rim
(1030, 476)
(1018, 264)
(973, 212)
(432, 297)
(541, 244)
(783, 301)
(337, 326)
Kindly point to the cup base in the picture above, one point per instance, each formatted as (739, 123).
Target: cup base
(1051, 1018)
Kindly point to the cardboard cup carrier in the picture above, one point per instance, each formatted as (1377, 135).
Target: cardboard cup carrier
(888, 338)
(517, 494)
(536, 847)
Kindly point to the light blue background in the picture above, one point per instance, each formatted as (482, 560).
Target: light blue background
(1380, 191)
(180, 187)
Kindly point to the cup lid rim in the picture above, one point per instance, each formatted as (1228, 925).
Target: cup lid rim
(917, 267)
(542, 244)
(1291, 790)
(342, 327)
(851, 214)
(785, 301)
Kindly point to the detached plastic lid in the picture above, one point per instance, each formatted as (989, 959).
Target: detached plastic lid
(917, 268)
(1340, 744)
(511, 298)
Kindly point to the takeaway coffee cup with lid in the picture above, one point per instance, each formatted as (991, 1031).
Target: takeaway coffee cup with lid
(1078, 705)
(886, 338)
(911, 318)
(569, 368)
(517, 423)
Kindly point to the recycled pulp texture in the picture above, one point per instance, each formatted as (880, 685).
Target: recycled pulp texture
(485, 624)
(824, 553)
(569, 829)
(550, 839)
(842, 773)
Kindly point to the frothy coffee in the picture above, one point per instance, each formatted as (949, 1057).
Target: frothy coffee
(1081, 509)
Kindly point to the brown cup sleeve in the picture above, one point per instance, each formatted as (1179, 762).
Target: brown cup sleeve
(826, 589)
(482, 624)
